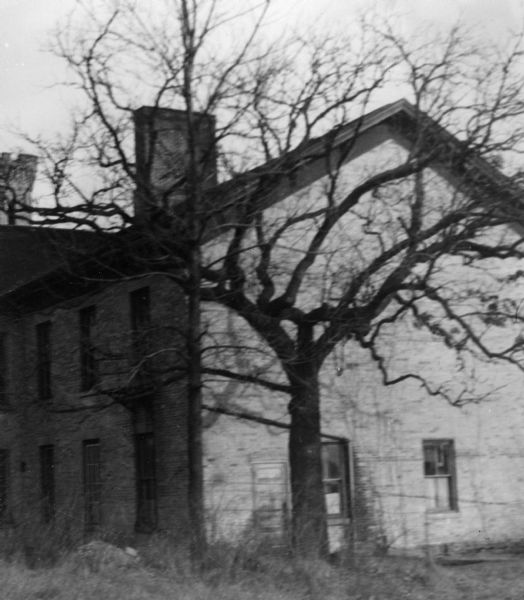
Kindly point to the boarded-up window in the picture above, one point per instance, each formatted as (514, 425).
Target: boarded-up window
(43, 359)
(270, 487)
(335, 478)
(88, 365)
(439, 474)
(92, 484)
(47, 482)
(4, 484)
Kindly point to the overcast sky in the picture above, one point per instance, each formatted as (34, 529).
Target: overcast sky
(31, 101)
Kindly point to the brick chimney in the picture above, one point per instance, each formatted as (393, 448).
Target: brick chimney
(162, 157)
(17, 177)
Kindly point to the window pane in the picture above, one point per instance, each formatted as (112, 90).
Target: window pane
(140, 314)
(43, 345)
(47, 482)
(331, 460)
(140, 328)
(335, 479)
(146, 456)
(333, 497)
(92, 484)
(88, 366)
(439, 470)
(430, 462)
(443, 459)
(143, 415)
(438, 493)
(146, 481)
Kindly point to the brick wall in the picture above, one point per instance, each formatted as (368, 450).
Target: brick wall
(72, 416)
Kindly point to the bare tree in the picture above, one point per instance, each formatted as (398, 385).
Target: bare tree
(307, 251)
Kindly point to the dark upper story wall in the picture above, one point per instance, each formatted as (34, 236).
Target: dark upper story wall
(27, 254)
(117, 338)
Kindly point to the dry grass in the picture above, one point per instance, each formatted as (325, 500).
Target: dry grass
(259, 573)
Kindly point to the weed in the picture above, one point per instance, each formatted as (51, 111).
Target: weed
(259, 570)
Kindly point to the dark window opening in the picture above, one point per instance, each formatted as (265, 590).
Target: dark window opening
(4, 485)
(88, 364)
(47, 482)
(43, 351)
(439, 474)
(92, 484)
(145, 468)
(335, 478)
(140, 324)
(146, 510)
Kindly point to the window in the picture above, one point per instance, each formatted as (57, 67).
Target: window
(4, 484)
(47, 482)
(43, 358)
(270, 495)
(92, 484)
(145, 471)
(335, 478)
(145, 481)
(3, 370)
(88, 365)
(140, 311)
(140, 322)
(439, 473)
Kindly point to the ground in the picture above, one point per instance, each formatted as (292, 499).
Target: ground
(161, 575)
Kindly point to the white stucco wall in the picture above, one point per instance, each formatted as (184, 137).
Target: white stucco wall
(386, 425)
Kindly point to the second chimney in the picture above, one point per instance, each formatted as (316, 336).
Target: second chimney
(17, 176)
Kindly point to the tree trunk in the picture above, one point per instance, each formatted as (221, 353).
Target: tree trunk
(194, 432)
(309, 528)
(194, 357)
(194, 393)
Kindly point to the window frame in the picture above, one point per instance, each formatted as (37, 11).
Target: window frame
(92, 484)
(343, 479)
(88, 362)
(43, 359)
(450, 475)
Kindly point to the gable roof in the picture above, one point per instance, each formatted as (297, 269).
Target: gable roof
(400, 121)
(312, 150)
(39, 257)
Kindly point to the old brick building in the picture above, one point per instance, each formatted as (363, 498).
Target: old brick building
(87, 439)
(93, 435)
